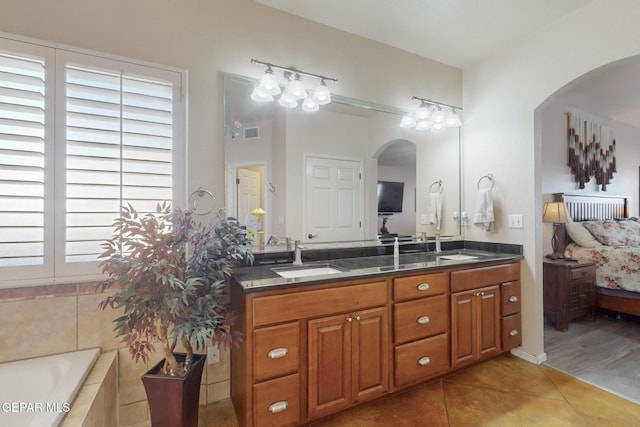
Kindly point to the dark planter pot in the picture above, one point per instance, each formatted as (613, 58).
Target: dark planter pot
(174, 401)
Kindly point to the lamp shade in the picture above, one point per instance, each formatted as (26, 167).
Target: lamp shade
(555, 212)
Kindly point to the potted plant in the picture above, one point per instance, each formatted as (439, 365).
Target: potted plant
(169, 275)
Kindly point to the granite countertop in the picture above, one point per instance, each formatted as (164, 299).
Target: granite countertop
(262, 278)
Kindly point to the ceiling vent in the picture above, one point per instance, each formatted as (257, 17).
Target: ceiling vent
(252, 132)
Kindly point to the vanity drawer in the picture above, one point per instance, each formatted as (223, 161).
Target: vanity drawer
(277, 402)
(511, 331)
(484, 276)
(420, 286)
(276, 351)
(420, 318)
(301, 305)
(419, 360)
(510, 297)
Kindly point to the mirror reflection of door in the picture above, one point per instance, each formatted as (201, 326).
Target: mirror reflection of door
(333, 202)
(249, 193)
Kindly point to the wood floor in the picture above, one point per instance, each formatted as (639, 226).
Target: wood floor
(506, 391)
(605, 353)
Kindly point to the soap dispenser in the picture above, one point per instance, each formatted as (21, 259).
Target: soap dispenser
(396, 250)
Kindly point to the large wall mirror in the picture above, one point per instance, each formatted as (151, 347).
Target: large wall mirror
(314, 176)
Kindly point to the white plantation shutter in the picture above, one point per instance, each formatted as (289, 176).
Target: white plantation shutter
(118, 139)
(25, 124)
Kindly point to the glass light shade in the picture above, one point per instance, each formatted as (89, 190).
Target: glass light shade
(310, 105)
(408, 121)
(453, 121)
(287, 101)
(424, 125)
(269, 84)
(296, 89)
(439, 116)
(422, 113)
(438, 127)
(321, 94)
(260, 96)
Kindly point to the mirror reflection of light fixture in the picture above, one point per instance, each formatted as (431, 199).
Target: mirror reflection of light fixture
(556, 213)
(294, 88)
(310, 105)
(431, 116)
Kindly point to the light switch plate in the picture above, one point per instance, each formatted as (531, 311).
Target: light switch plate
(515, 221)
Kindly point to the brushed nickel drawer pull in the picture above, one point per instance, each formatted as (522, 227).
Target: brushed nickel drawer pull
(513, 332)
(424, 361)
(423, 287)
(423, 320)
(349, 319)
(278, 406)
(277, 353)
(357, 317)
(513, 298)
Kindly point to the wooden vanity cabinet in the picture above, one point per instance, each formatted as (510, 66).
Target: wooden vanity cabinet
(312, 350)
(478, 314)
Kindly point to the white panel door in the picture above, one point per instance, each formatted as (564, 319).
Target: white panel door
(333, 202)
(248, 187)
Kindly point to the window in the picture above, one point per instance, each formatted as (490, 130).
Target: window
(80, 135)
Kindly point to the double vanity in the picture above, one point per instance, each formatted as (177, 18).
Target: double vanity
(332, 333)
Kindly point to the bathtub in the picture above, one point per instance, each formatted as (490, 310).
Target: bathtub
(39, 392)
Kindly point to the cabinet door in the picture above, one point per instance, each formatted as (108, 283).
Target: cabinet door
(475, 325)
(370, 353)
(329, 364)
(463, 328)
(488, 321)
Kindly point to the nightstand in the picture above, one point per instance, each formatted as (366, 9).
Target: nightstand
(569, 291)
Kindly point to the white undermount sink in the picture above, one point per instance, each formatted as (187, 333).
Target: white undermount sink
(312, 270)
(458, 257)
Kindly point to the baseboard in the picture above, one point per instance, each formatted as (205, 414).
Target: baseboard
(539, 359)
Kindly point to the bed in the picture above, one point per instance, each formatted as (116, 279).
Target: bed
(603, 232)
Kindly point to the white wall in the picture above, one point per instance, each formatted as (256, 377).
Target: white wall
(512, 85)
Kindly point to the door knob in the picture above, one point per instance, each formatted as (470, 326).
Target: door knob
(312, 236)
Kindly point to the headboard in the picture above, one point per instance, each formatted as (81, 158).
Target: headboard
(586, 207)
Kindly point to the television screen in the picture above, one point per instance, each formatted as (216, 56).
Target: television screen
(390, 196)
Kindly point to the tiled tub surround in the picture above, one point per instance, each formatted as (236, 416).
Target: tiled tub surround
(44, 320)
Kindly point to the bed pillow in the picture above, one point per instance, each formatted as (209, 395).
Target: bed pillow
(613, 233)
(581, 236)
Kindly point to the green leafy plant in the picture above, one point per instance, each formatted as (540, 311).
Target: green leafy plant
(169, 274)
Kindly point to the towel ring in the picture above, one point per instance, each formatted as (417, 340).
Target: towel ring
(199, 193)
(489, 177)
(440, 187)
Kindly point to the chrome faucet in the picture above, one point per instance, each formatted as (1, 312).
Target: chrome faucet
(298, 253)
(438, 248)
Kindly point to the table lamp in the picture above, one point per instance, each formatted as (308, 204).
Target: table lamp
(556, 213)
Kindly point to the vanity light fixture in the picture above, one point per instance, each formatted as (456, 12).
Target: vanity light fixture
(294, 88)
(430, 115)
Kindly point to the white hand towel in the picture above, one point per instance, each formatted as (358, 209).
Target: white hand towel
(435, 209)
(483, 218)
